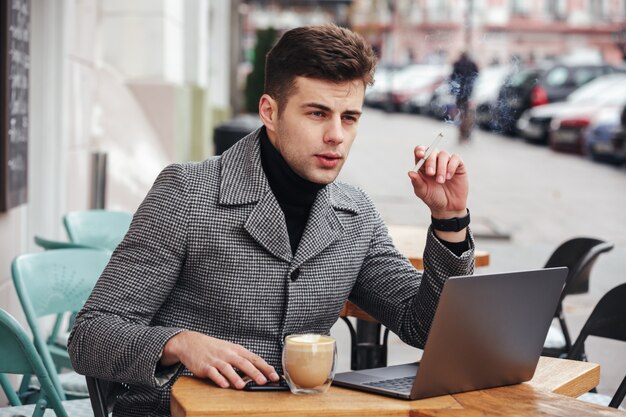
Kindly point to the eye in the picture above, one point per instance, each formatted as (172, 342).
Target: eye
(317, 113)
(348, 118)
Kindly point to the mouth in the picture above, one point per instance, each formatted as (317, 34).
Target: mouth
(329, 160)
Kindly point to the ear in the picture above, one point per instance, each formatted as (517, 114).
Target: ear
(268, 111)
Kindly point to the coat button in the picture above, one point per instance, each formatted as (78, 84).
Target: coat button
(295, 274)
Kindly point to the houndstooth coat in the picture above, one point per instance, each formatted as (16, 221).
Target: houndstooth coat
(208, 250)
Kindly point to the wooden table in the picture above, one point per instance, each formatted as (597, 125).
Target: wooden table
(411, 241)
(549, 393)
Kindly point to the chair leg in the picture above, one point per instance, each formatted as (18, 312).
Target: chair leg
(9, 391)
(568, 339)
(353, 343)
(366, 354)
(618, 398)
(97, 397)
(25, 393)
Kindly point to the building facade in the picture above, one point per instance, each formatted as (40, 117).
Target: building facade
(492, 30)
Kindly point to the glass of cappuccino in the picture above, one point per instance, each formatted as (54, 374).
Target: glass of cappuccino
(309, 362)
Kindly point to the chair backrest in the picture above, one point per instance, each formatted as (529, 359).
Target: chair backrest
(49, 244)
(579, 255)
(54, 282)
(608, 320)
(97, 228)
(19, 356)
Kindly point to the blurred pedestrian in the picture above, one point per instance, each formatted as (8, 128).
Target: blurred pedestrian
(464, 73)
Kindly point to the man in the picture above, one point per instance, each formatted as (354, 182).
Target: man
(464, 73)
(226, 257)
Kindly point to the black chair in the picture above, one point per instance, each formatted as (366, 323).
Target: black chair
(608, 320)
(579, 255)
(103, 395)
(97, 396)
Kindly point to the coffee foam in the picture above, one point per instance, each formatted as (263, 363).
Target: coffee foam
(307, 339)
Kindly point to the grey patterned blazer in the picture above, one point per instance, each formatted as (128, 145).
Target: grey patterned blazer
(208, 250)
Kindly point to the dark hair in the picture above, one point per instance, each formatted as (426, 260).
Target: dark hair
(326, 52)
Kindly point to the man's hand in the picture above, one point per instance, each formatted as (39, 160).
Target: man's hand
(208, 357)
(442, 184)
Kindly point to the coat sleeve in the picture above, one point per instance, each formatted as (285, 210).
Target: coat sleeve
(113, 336)
(391, 290)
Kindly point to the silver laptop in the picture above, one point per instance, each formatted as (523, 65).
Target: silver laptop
(488, 331)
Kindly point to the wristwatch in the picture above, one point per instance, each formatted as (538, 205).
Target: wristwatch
(455, 224)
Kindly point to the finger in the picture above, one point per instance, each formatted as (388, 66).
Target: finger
(257, 363)
(430, 166)
(249, 369)
(229, 373)
(419, 185)
(419, 152)
(214, 375)
(260, 364)
(453, 166)
(442, 166)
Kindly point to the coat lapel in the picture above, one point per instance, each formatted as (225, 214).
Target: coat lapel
(266, 224)
(324, 225)
(243, 182)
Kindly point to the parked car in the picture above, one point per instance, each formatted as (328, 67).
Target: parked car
(442, 103)
(484, 95)
(413, 81)
(605, 139)
(567, 131)
(541, 85)
(393, 87)
(534, 124)
(420, 101)
(377, 95)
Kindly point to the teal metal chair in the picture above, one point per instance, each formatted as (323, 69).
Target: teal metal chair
(49, 244)
(52, 283)
(97, 228)
(58, 335)
(19, 356)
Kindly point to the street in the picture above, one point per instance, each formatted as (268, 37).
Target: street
(524, 199)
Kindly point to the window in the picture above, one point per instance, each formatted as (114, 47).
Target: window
(557, 77)
(584, 75)
(439, 10)
(556, 9)
(597, 10)
(519, 7)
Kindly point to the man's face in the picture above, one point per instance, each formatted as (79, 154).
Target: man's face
(316, 128)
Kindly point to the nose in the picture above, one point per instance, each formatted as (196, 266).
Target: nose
(335, 132)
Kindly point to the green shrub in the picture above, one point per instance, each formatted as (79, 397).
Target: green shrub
(254, 81)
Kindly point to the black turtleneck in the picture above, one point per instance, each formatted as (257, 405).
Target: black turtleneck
(295, 195)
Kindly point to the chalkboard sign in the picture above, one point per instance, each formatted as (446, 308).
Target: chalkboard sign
(14, 67)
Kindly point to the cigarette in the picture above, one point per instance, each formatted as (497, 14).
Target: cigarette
(428, 152)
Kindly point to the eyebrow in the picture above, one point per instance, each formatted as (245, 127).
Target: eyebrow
(326, 108)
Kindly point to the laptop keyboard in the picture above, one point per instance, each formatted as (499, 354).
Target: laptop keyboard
(403, 384)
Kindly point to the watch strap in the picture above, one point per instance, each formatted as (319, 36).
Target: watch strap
(455, 224)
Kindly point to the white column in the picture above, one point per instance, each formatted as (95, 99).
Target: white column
(48, 118)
